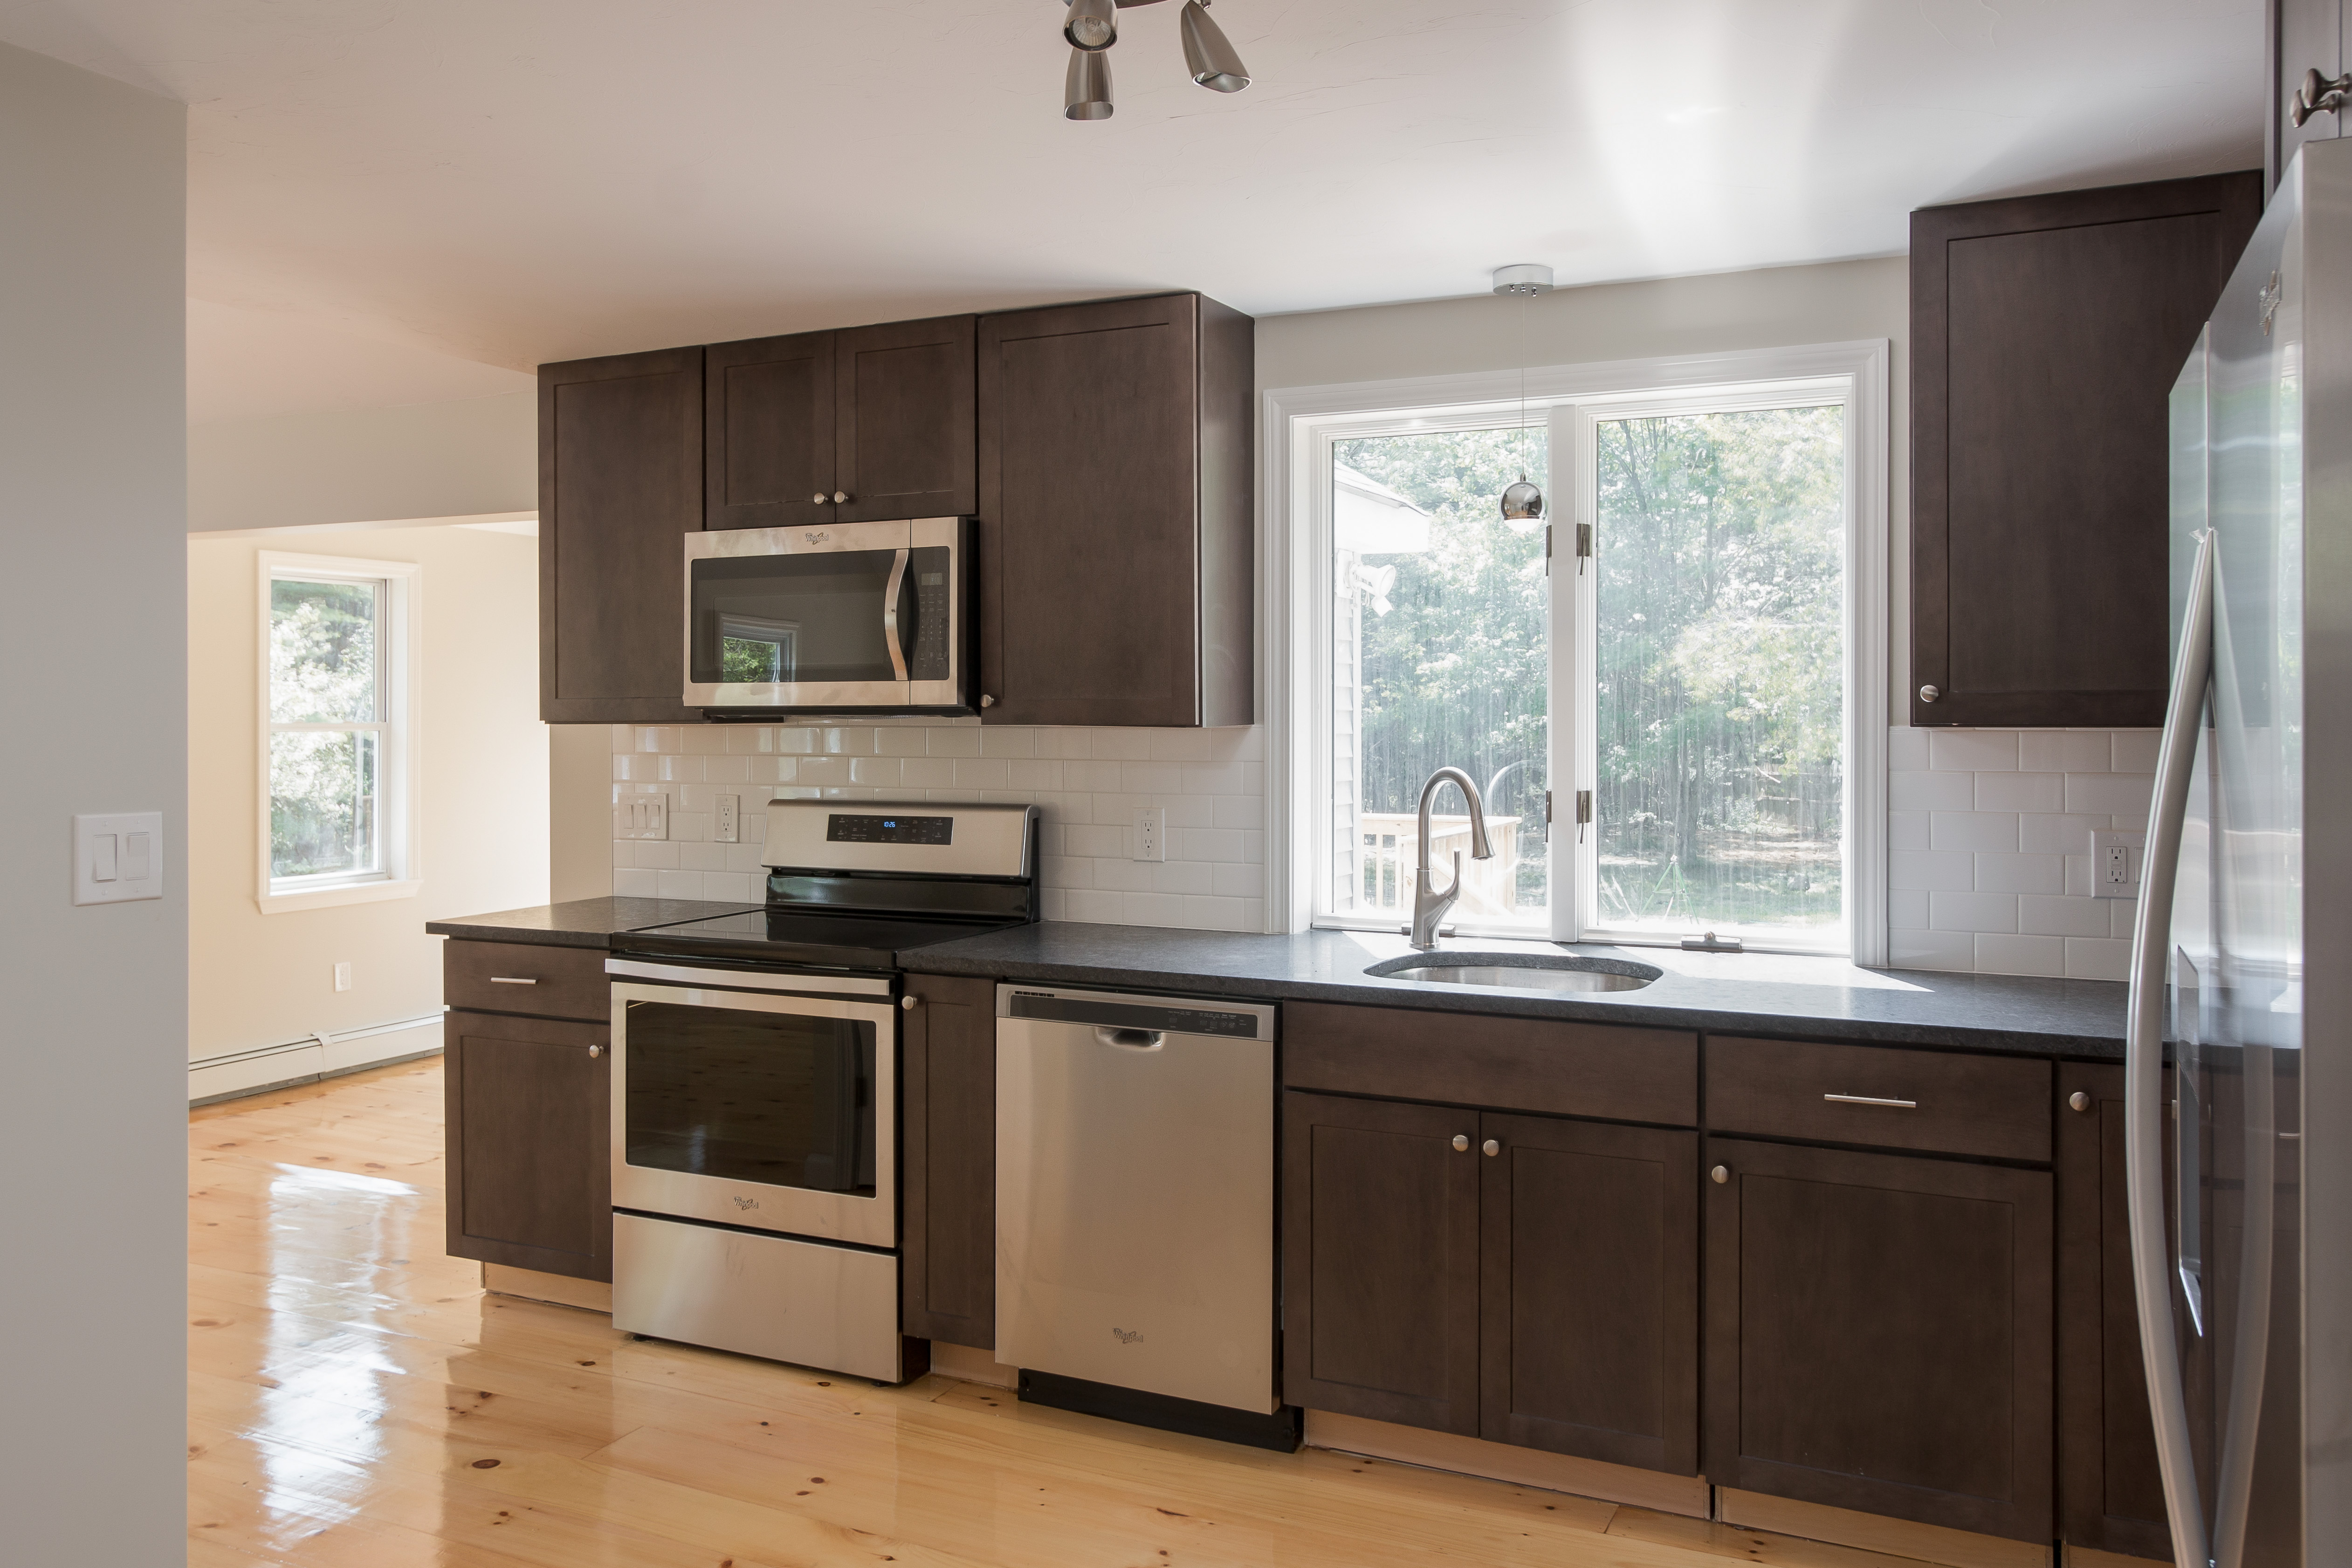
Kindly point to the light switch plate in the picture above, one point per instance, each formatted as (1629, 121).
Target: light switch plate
(118, 856)
(641, 816)
(2115, 862)
(727, 821)
(1151, 833)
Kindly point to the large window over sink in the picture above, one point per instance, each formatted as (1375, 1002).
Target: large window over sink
(1659, 687)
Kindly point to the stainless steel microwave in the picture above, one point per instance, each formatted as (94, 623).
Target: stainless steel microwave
(845, 618)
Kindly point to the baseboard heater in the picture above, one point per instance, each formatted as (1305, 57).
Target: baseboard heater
(310, 1058)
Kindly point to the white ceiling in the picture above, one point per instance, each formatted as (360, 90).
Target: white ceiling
(395, 200)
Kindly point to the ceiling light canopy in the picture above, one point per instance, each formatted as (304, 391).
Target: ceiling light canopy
(1092, 27)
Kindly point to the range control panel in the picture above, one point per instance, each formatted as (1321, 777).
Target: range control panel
(844, 828)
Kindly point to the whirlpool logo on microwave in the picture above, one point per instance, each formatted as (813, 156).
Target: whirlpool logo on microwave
(744, 1203)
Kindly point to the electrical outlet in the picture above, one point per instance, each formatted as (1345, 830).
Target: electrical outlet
(726, 820)
(344, 976)
(641, 816)
(1151, 833)
(2115, 862)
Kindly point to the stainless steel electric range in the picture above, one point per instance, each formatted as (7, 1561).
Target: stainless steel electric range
(755, 1111)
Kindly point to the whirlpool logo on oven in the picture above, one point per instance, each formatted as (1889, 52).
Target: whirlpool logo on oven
(1127, 1336)
(746, 1203)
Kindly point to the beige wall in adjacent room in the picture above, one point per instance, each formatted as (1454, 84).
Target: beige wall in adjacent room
(460, 459)
(261, 980)
(93, 1136)
(579, 811)
(1770, 307)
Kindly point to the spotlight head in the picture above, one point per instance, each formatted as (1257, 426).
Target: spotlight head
(1208, 54)
(1086, 90)
(1092, 25)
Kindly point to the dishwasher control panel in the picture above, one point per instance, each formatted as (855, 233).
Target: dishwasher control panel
(1162, 1014)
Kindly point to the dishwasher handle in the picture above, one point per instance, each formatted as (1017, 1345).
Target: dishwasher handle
(1131, 1038)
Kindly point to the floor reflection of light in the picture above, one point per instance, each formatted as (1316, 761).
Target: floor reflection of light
(321, 1417)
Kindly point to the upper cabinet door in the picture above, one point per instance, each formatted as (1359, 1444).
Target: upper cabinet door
(903, 433)
(1114, 514)
(2046, 332)
(2305, 35)
(620, 486)
(770, 432)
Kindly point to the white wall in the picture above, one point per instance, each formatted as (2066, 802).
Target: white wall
(263, 981)
(93, 700)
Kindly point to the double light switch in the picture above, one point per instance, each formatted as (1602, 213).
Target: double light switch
(119, 856)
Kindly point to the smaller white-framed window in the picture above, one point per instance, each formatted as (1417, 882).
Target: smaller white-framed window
(338, 662)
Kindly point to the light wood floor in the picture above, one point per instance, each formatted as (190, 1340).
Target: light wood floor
(355, 1399)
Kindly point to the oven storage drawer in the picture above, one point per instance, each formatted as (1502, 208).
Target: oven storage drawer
(1997, 1107)
(771, 1296)
(525, 977)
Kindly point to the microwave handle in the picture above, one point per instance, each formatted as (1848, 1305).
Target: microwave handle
(890, 616)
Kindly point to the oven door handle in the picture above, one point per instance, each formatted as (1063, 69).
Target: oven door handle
(746, 979)
(891, 615)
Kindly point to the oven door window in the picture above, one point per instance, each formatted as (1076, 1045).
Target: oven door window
(773, 620)
(772, 1098)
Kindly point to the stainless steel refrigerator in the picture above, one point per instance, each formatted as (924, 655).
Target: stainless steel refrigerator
(2240, 1078)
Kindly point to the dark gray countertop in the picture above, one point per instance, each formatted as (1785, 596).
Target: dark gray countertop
(583, 923)
(1757, 993)
(1813, 998)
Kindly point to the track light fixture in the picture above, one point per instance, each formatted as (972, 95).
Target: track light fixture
(1091, 26)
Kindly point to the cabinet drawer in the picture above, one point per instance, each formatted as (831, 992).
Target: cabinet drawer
(1996, 1107)
(1546, 1065)
(522, 977)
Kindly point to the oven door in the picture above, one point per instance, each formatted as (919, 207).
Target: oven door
(751, 1107)
(859, 616)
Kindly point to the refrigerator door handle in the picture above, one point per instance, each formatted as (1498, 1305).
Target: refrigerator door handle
(2144, 1067)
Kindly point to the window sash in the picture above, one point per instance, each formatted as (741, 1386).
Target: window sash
(1571, 699)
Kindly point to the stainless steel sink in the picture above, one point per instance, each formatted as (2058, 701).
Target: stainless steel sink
(1531, 971)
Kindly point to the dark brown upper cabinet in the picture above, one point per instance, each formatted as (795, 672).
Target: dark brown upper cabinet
(865, 424)
(1114, 524)
(1877, 1334)
(2046, 332)
(2305, 35)
(620, 485)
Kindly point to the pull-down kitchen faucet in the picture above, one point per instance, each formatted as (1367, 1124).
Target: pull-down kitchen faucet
(1429, 906)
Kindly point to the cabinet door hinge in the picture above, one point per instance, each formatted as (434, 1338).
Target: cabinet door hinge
(1583, 812)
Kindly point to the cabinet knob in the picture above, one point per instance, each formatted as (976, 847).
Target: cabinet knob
(909, 1004)
(595, 1050)
(2318, 95)
(818, 498)
(1929, 694)
(1721, 1174)
(840, 496)
(2079, 1100)
(1460, 1143)
(1493, 1146)
(987, 701)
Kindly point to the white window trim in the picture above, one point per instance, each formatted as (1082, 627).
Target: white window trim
(404, 874)
(1295, 433)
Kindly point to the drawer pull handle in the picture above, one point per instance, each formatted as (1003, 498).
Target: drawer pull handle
(1871, 1100)
(511, 980)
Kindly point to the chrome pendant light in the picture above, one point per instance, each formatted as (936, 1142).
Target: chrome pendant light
(1208, 54)
(1523, 502)
(1085, 88)
(1091, 27)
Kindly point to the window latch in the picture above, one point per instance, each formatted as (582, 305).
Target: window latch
(1546, 549)
(1583, 812)
(1583, 545)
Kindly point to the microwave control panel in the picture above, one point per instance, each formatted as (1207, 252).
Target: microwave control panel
(928, 659)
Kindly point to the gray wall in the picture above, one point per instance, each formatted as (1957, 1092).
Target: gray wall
(93, 704)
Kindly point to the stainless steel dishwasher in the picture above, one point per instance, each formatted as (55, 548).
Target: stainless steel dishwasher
(1135, 1207)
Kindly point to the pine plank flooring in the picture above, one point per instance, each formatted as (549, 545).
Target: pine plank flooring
(356, 1400)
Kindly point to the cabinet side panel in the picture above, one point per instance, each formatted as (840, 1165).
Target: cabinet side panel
(1228, 526)
(949, 1088)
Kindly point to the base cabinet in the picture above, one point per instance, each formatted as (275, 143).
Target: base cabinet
(1527, 1280)
(948, 1166)
(1878, 1334)
(528, 1109)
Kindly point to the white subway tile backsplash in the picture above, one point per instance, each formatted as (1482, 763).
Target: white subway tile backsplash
(2097, 959)
(2066, 750)
(1929, 871)
(2003, 954)
(1971, 751)
(2055, 915)
(2042, 833)
(2020, 791)
(1973, 830)
(1908, 831)
(2020, 874)
(1931, 949)
(1088, 782)
(1930, 792)
(2135, 750)
(1972, 911)
(1907, 909)
(1906, 748)
(2109, 792)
